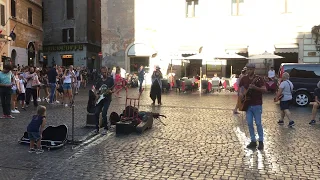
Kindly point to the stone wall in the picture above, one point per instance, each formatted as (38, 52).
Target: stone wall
(117, 30)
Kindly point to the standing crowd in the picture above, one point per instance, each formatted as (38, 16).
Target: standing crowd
(21, 86)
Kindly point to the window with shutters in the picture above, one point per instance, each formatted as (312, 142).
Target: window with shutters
(3, 17)
(192, 8)
(93, 12)
(69, 7)
(29, 15)
(68, 35)
(237, 7)
(13, 8)
(287, 6)
(42, 13)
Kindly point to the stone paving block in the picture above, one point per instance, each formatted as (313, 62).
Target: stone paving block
(200, 141)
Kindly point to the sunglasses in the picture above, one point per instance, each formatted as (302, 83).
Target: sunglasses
(15, 70)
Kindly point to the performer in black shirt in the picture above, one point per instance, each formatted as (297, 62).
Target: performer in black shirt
(103, 105)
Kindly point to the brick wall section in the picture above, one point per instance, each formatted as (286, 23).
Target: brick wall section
(24, 31)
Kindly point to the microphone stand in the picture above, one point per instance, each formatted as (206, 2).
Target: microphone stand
(73, 142)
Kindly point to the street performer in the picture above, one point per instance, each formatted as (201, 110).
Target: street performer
(254, 86)
(105, 80)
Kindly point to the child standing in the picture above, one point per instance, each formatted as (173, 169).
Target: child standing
(35, 129)
(22, 93)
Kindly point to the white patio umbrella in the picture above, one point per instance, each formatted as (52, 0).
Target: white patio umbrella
(266, 55)
(230, 56)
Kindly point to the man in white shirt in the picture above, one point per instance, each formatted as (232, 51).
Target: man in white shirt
(215, 77)
(271, 73)
(123, 73)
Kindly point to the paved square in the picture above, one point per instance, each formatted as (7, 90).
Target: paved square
(202, 140)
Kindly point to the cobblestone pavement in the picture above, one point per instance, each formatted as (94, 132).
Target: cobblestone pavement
(202, 140)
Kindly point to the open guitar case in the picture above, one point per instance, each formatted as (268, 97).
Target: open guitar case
(132, 120)
(53, 137)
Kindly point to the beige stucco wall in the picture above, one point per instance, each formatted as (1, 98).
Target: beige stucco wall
(165, 28)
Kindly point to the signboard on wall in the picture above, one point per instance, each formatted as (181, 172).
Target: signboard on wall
(312, 54)
(67, 47)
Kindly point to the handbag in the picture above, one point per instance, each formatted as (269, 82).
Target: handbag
(35, 82)
(276, 99)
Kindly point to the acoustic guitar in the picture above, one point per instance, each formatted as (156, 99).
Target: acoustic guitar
(243, 101)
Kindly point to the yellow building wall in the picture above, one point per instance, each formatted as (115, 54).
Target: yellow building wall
(26, 32)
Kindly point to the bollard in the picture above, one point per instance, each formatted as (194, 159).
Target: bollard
(72, 137)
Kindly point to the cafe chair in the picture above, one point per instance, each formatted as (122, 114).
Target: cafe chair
(216, 86)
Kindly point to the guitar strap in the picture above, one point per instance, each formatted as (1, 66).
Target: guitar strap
(255, 79)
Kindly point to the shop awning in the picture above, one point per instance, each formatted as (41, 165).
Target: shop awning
(191, 49)
(286, 48)
(242, 48)
(141, 50)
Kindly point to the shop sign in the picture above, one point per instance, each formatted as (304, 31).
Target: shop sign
(67, 47)
(312, 53)
(67, 56)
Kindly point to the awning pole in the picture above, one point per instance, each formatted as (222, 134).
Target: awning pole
(200, 86)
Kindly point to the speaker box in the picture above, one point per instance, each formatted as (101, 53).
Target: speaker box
(125, 127)
(91, 120)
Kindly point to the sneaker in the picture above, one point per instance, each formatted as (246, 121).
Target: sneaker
(104, 132)
(312, 122)
(252, 145)
(57, 102)
(291, 124)
(235, 112)
(10, 117)
(96, 131)
(280, 122)
(23, 108)
(261, 145)
(39, 151)
(3, 117)
(159, 104)
(66, 105)
(15, 111)
(39, 99)
(32, 150)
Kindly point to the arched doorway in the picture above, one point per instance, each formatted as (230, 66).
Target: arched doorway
(13, 56)
(31, 54)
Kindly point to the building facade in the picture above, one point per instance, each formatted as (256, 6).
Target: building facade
(72, 32)
(24, 18)
(21, 32)
(4, 43)
(163, 33)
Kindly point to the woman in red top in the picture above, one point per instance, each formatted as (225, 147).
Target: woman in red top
(118, 82)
